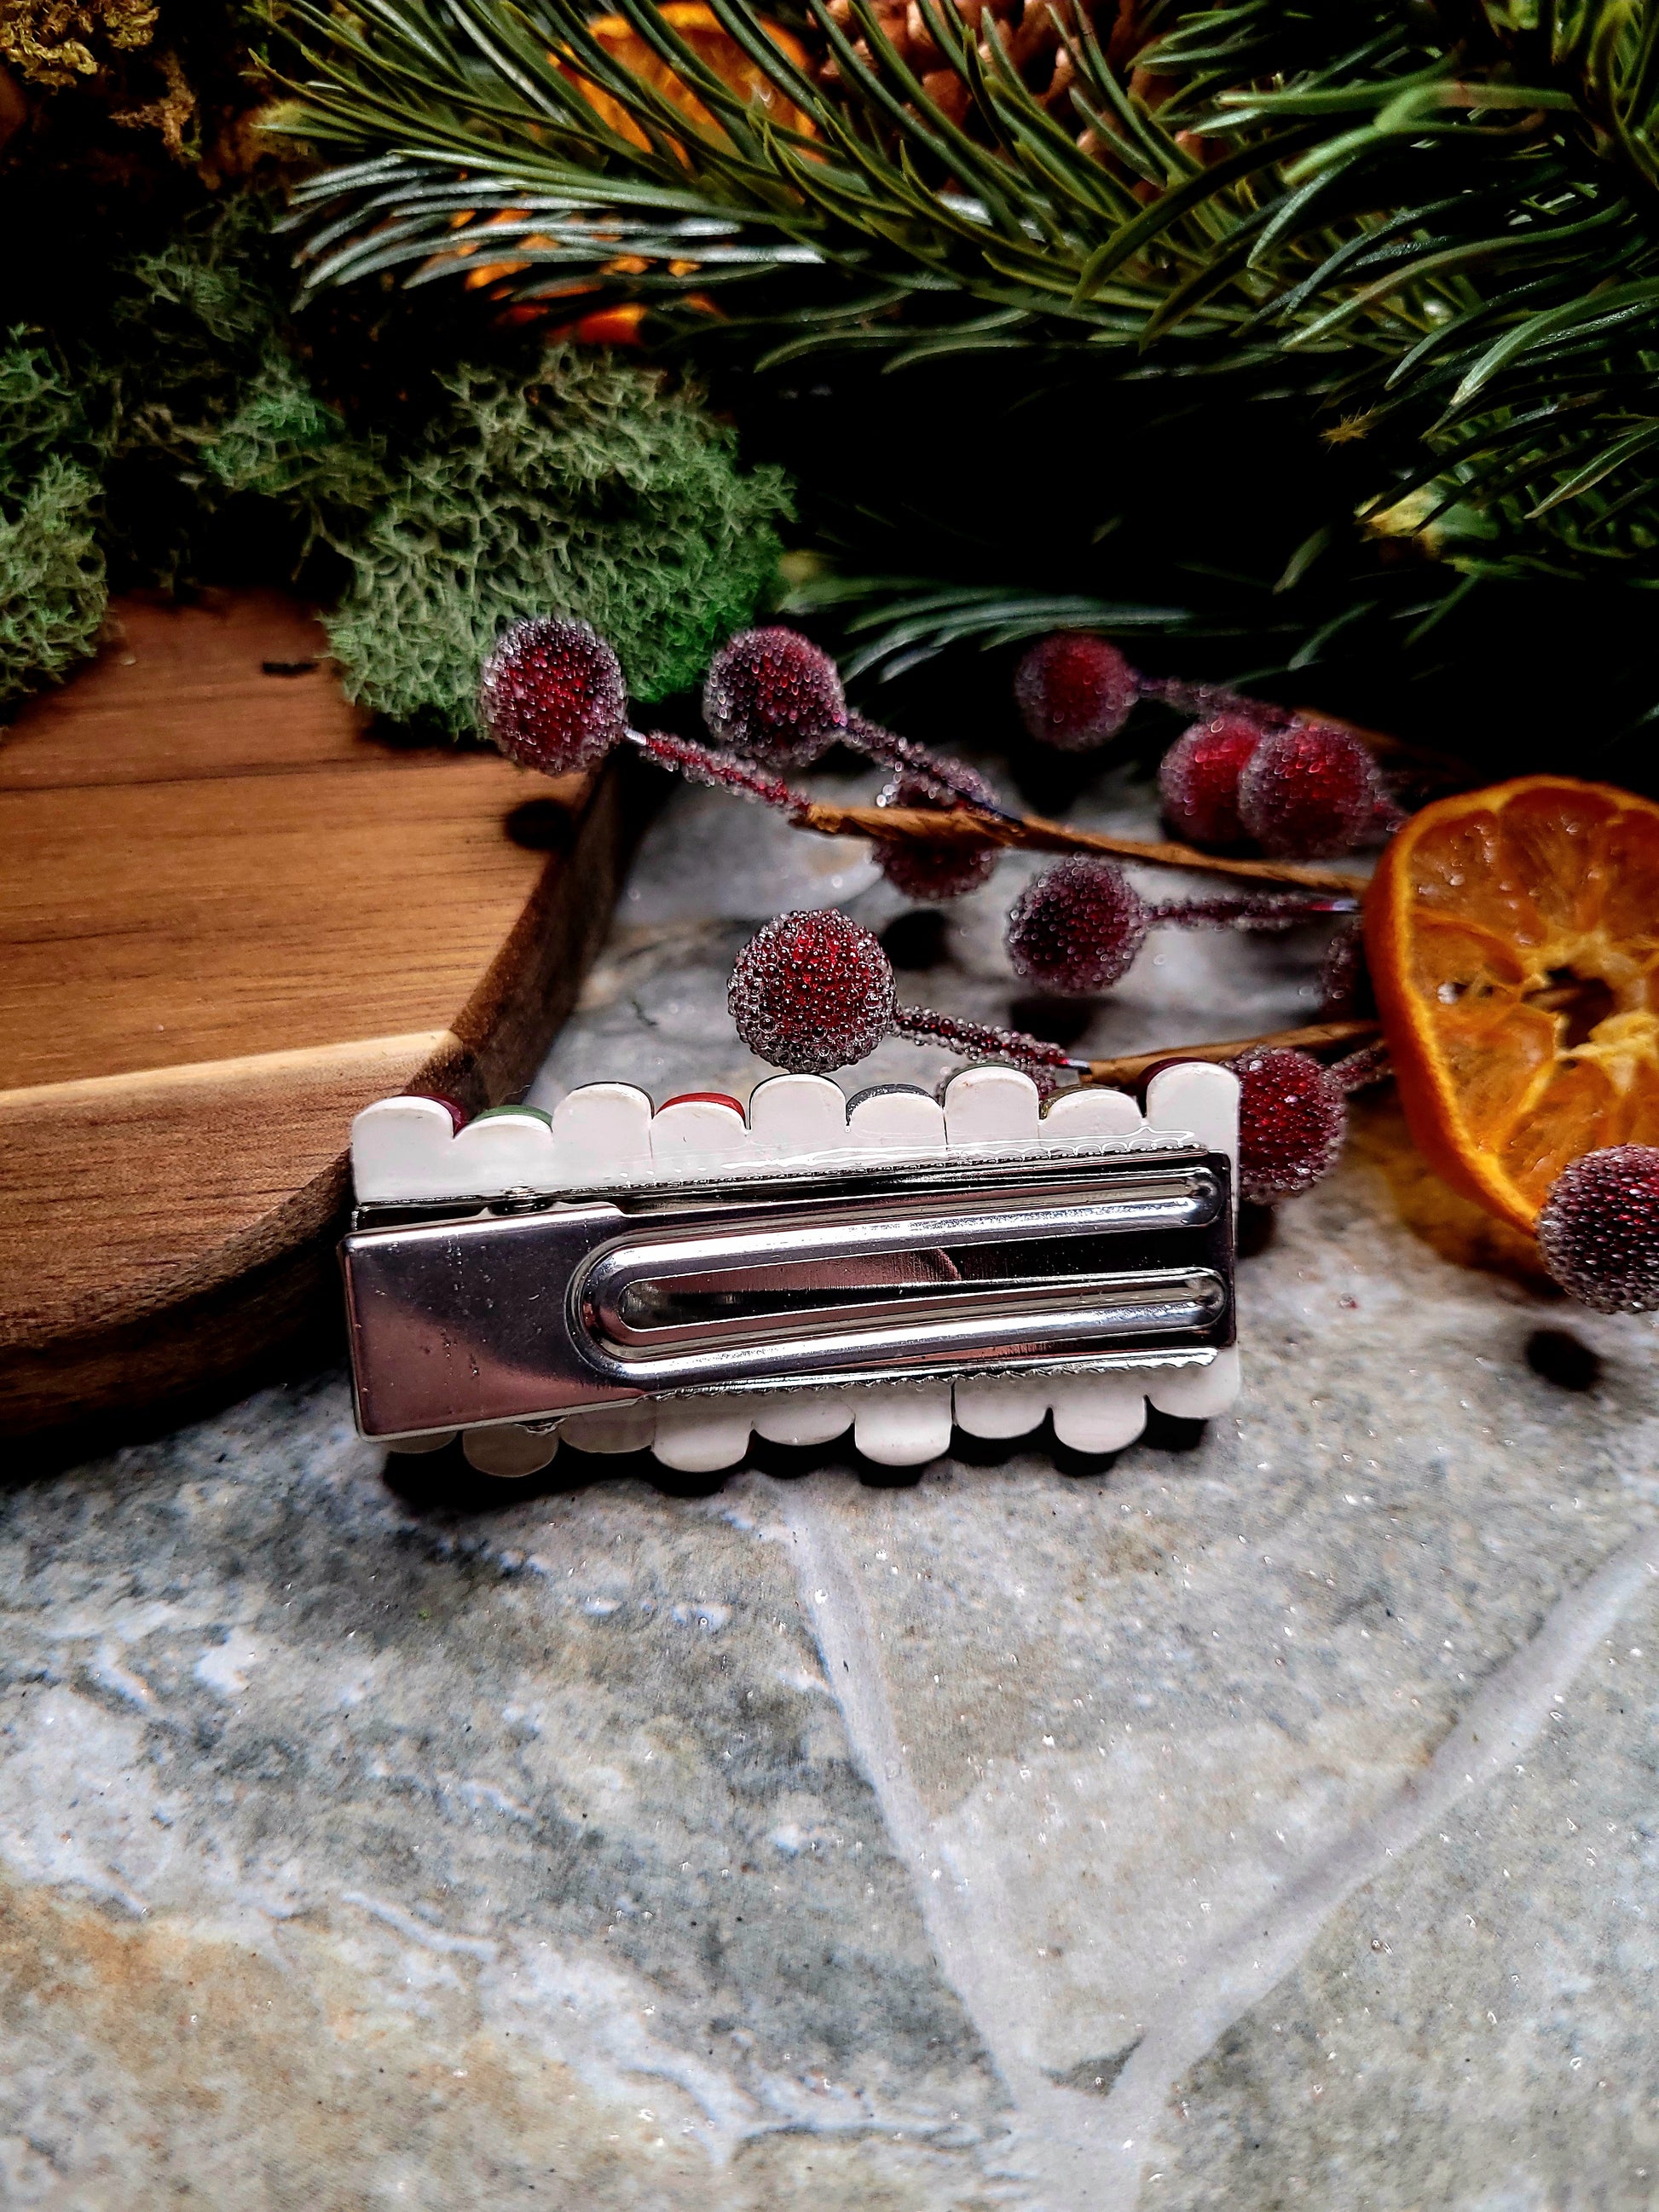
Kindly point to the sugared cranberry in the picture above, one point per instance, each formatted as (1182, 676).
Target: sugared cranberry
(1599, 1230)
(945, 871)
(1198, 781)
(1077, 927)
(552, 695)
(1307, 792)
(1292, 1117)
(773, 696)
(812, 992)
(1074, 691)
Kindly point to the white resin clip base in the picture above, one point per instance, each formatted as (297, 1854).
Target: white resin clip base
(408, 1151)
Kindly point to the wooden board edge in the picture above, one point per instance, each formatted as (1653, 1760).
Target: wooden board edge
(214, 1333)
(349, 1074)
(532, 986)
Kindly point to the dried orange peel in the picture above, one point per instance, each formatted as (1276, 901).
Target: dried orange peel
(1512, 936)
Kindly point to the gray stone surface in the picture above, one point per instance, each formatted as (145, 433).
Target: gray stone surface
(1268, 1821)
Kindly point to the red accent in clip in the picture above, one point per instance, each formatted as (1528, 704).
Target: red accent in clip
(703, 1099)
(458, 1113)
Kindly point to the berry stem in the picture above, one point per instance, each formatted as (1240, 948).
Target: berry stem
(1204, 700)
(940, 781)
(703, 764)
(1032, 833)
(1369, 1065)
(1264, 910)
(1131, 1066)
(921, 1025)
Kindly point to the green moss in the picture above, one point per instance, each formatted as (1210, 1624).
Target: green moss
(40, 412)
(201, 308)
(189, 334)
(190, 442)
(283, 443)
(53, 592)
(594, 492)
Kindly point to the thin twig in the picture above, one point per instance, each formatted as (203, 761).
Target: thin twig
(1032, 834)
(1317, 1035)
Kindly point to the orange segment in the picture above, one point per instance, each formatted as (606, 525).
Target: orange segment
(1513, 940)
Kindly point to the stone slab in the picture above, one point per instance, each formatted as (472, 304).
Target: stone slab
(1266, 1818)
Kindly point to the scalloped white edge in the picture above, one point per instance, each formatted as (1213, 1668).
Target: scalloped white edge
(895, 1424)
(605, 1135)
(407, 1151)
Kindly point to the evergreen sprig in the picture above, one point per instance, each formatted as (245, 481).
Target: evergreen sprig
(1440, 225)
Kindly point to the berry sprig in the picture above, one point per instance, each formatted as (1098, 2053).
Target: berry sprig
(1075, 690)
(1598, 1233)
(771, 695)
(1301, 788)
(552, 696)
(1293, 1116)
(935, 872)
(1077, 928)
(814, 992)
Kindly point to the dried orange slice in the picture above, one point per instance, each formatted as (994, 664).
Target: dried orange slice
(1513, 940)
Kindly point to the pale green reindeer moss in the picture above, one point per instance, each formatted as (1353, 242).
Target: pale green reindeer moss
(577, 485)
(53, 592)
(594, 492)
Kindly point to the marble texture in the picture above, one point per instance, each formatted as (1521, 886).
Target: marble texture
(1269, 1818)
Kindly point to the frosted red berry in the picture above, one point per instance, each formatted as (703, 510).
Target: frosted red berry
(945, 871)
(1599, 1230)
(1308, 790)
(772, 695)
(552, 696)
(1293, 1118)
(812, 992)
(1077, 927)
(1074, 691)
(1198, 781)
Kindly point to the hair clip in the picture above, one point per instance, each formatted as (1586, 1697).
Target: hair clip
(678, 1280)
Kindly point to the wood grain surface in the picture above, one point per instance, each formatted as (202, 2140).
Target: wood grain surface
(230, 919)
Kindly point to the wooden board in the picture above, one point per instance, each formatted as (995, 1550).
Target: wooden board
(228, 919)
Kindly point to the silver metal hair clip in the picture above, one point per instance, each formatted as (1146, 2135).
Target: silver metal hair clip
(678, 1280)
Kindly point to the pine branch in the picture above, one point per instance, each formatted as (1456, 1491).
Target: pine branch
(1448, 241)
